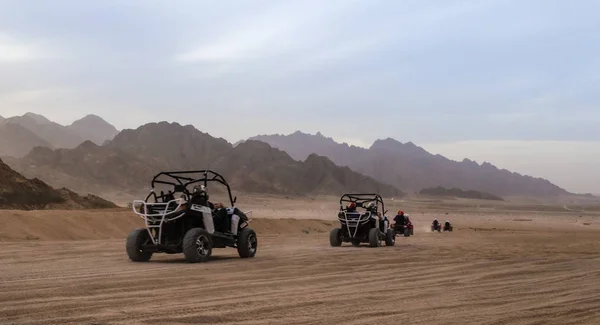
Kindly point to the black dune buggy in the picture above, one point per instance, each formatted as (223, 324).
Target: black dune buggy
(183, 220)
(368, 225)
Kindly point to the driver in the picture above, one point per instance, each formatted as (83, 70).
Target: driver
(202, 195)
(435, 222)
(351, 207)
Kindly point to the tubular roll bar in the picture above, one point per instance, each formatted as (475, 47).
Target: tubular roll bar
(362, 198)
(183, 179)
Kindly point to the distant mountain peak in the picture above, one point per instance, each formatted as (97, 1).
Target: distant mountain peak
(91, 117)
(386, 143)
(39, 119)
(93, 127)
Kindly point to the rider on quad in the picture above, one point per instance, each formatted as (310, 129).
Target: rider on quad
(447, 226)
(402, 224)
(435, 225)
(400, 218)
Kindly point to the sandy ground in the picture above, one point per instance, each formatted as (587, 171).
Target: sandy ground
(502, 265)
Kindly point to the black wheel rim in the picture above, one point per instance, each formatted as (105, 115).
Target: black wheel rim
(202, 245)
(252, 243)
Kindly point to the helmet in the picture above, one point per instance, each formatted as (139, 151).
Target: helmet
(352, 205)
(400, 212)
(200, 191)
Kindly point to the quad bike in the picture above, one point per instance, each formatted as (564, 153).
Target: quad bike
(366, 226)
(436, 227)
(447, 226)
(189, 224)
(406, 229)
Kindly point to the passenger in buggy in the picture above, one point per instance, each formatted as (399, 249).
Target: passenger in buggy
(222, 221)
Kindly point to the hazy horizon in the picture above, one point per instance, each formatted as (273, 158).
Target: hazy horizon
(510, 82)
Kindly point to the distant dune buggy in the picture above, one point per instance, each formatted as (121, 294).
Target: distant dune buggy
(189, 224)
(368, 225)
(447, 226)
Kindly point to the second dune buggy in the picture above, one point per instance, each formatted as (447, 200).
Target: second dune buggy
(362, 220)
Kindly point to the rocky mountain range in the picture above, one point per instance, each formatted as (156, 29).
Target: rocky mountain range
(20, 134)
(411, 168)
(18, 192)
(90, 155)
(128, 162)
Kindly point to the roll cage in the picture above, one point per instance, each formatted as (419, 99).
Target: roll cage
(362, 200)
(180, 180)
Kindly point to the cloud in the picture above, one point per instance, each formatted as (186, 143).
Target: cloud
(257, 34)
(13, 50)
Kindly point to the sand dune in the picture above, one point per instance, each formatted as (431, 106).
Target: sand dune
(70, 267)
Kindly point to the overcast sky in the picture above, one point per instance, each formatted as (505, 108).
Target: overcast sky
(473, 78)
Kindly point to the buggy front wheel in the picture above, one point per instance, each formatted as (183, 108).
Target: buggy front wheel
(335, 237)
(247, 243)
(197, 245)
(135, 240)
(390, 237)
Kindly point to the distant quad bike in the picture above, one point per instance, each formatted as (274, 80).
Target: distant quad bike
(436, 226)
(406, 229)
(447, 226)
(189, 224)
(368, 225)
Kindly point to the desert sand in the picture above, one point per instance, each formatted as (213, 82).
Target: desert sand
(504, 263)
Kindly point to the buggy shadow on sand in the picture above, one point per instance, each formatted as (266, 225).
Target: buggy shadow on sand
(189, 224)
(367, 226)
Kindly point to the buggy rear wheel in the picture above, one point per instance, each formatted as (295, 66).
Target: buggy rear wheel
(247, 243)
(133, 245)
(374, 237)
(390, 237)
(335, 237)
(197, 245)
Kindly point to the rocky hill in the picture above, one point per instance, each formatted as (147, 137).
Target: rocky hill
(94, 128)
(459, 193)
(17, 141)
(18, 192)
(172, 146)
(128, 162)
(255, 166)
(411, 168)
(57, 135)
(20, 134)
